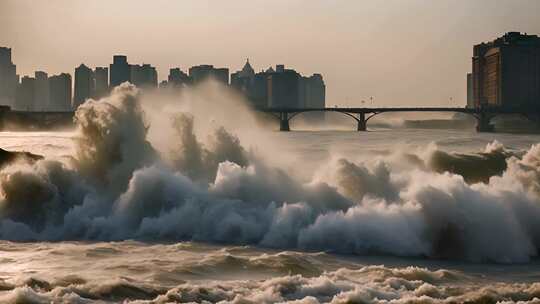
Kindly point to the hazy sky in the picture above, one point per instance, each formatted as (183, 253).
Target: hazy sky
(402, 52)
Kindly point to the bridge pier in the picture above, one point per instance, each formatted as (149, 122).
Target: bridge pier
(362, 123)
(284, 122)
(484, 123)
(3, 111)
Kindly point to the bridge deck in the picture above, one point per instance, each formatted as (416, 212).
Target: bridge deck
(404, 109)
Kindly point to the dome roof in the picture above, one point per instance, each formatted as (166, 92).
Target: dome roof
(247, 70)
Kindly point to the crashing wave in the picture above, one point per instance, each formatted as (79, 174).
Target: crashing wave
(118, 186)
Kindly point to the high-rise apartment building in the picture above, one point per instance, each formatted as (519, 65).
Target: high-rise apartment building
(177, 78)
(470, 94)
(204, 72)
(25, 96)
(314, 91)
(42, 94)
(120, 71)
(284, 88)
(60, 92)
(259, 95)
(101, 77)
(143, 76)
(506, 72)
(84, 85)
(8, 78)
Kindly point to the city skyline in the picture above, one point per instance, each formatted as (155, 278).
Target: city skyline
(363, 49)
(283, 87)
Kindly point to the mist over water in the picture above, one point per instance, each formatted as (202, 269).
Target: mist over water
(182, 170)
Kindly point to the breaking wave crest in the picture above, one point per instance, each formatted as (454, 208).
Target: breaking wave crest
(117, 186)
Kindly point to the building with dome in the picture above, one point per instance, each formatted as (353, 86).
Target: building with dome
(243, 79)
(252, 85)
(280, 87)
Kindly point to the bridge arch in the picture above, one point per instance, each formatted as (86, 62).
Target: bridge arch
(342, 112)
(360, 119)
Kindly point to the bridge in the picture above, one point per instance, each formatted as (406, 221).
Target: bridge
(363, 115)
(48, 120)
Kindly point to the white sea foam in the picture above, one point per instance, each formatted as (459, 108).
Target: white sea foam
(209, 187)
(369, 284)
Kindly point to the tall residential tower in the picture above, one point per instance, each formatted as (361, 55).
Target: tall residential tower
(84, 85)
(8, 78)
(101, 76)
(506, 72)
(120, 71)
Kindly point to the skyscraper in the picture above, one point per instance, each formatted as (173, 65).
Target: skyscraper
(260, 88)
(101, 76)
(143, 76)
(120, 70)
(60, 92)
(177, 78)
(470, 94)
(314, 96)
(25, 94)
(41, 96)
(303, 85)
(284, 88)
(222, 75)
(8, 78)
(84, 85)
(506, 72)
(204, 72)
(200, 73)
(314, 91)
